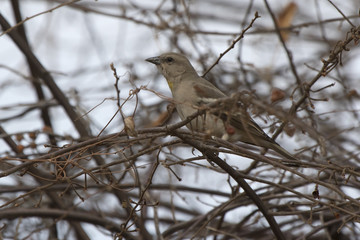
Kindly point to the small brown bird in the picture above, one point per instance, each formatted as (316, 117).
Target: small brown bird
(192, 92)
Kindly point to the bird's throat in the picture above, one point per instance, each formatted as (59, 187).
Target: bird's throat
(170, 85)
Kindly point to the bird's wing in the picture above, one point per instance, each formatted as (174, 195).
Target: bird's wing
(242, 120)
(207, 92)
(230, 112)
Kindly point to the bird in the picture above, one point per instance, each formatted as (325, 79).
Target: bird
(223, 119)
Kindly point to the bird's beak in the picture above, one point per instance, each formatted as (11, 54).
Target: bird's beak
(154, 60)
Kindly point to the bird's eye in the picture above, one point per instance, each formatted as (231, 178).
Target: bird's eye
(169, 59)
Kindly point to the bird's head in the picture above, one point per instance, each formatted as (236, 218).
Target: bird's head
(173, 66)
